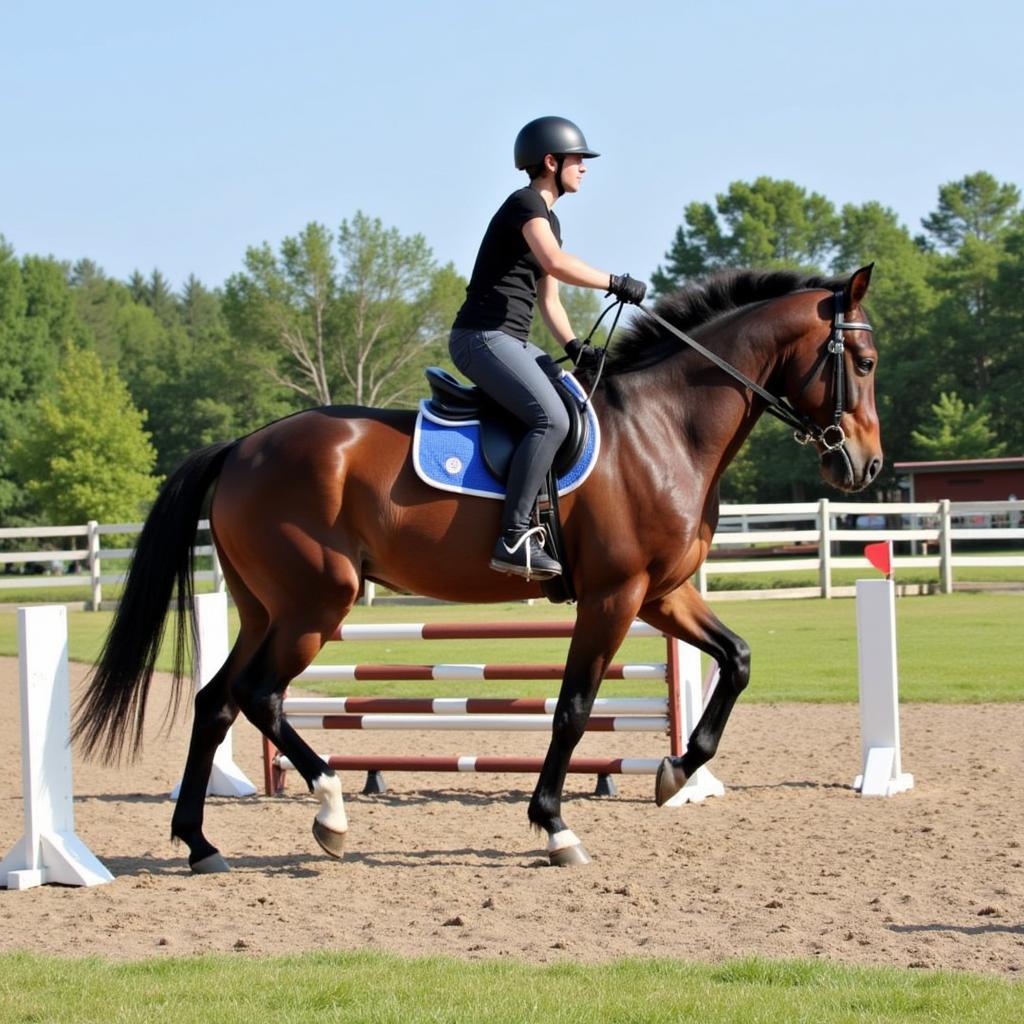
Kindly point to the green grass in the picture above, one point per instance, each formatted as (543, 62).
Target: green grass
(841, 577)
(54, 594)
(80, 592)
(782, 580)
(951, 648)
(371, 988)
(964, 647)
(778, 580)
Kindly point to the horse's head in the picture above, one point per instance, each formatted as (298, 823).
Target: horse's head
(799, 343)
(831, 381)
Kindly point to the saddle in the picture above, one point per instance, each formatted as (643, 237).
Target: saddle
(500, 433)
(495, 435)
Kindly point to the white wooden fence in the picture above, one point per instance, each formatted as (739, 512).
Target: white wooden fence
(933, 530)
(89, 557)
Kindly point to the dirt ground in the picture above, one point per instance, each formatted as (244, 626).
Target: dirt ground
(790, 862)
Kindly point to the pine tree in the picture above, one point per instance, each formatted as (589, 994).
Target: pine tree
(957, 430)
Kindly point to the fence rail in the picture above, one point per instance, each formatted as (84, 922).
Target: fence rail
(91, 557)
(812, 543)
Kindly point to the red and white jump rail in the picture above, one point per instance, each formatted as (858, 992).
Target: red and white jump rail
(674, 715)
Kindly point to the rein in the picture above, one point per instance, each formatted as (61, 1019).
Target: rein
(603, 350)
(617, 306)
(805, 430)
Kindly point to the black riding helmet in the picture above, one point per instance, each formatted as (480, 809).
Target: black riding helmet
(555, 135)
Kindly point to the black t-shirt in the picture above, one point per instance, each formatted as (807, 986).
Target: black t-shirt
(502, 290)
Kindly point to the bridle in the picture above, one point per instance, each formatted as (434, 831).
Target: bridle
(834, 349)
(805, 431)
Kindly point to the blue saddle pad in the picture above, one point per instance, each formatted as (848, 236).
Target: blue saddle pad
(446, 453)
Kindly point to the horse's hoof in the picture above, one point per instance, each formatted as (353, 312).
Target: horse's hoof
(331, 842)
(670, 779)
(569, 857)
(565, 850)
(215, 864)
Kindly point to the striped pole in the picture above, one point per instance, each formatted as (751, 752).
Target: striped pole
(382, 673)
(465, 705)
(482, 723)
(470, 631)
(672, 715)
(478, 763)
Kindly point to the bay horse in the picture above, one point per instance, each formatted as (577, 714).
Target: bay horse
(307, 508)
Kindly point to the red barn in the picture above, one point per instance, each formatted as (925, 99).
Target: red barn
(963, 480)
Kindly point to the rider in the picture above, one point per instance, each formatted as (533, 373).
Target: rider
(519, 264)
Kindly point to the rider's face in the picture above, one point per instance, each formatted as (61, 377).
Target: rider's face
(572, 172)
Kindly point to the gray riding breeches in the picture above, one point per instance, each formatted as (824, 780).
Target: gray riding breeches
(518, 376)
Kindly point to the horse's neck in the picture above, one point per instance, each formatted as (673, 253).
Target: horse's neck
(692, 416)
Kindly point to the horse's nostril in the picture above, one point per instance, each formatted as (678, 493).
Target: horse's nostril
(874, 468)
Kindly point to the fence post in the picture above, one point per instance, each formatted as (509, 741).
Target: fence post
(369, 592)
(945, 547)
(219, 585)
(824, 548)
(93, 543)
(702, 579)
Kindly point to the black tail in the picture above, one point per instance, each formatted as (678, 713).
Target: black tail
(115, 702)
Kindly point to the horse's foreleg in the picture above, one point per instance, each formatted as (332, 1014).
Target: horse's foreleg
(684, 614)
(601, 625)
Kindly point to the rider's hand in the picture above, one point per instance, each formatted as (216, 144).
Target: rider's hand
(583, 356)
(627, 289)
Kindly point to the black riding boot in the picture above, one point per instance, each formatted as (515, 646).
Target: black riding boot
(521, 553)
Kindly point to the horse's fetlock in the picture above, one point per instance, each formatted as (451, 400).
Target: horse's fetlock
(700, 748)
(739, 664)
(541, 812)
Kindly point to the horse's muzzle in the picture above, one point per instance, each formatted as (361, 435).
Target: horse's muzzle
(848, 469)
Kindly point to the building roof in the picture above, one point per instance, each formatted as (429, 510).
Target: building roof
(960, 465)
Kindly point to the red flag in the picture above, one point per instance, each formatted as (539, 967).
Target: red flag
(880, 556)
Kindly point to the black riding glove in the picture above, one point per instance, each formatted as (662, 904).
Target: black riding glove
(627, 289)
(583, 355)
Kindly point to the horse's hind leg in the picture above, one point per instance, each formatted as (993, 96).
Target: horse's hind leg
(684, 614)
(286, 650)
(215, 712)
(602, 623)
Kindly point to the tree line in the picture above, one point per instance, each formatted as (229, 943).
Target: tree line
(947, 304)
(105, 384)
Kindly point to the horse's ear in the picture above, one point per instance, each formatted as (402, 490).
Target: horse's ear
(857, 287)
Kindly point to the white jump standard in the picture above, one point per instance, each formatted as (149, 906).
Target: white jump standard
(211, 651)
(49, 851)
(882, 774)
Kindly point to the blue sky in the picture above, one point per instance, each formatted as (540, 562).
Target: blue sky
(176, 137)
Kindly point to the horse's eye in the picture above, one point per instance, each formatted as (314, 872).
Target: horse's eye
(865, 365)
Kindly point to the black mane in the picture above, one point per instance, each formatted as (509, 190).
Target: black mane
(644, 343)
